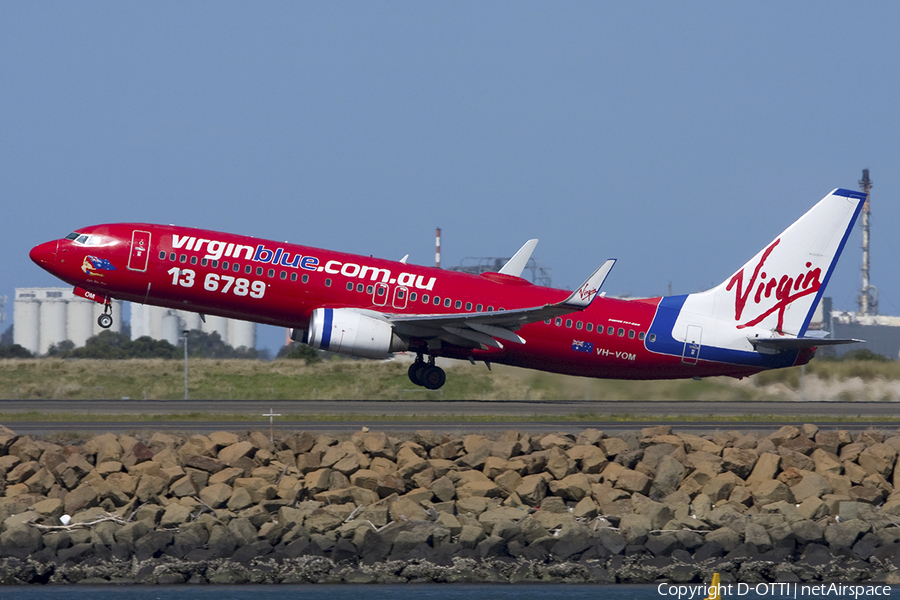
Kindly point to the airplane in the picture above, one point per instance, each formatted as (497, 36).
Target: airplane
(755, 320)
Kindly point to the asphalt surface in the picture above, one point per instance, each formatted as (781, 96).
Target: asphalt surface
(518, 415)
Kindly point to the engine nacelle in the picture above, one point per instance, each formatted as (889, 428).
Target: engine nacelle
(349, 331)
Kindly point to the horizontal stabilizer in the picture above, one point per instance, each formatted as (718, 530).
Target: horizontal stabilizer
(771, 345)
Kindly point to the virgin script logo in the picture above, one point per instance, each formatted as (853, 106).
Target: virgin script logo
(773, 294)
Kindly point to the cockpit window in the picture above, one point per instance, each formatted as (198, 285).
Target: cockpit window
(85, 239)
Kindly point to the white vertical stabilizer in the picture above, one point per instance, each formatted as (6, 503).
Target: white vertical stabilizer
(776, 292)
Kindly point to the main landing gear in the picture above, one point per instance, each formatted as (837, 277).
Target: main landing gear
(427, 375)
(105, 320)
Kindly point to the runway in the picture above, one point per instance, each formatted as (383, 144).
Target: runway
(451, 416)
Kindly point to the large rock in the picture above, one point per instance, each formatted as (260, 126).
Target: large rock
(771, 491)
(739, 461)
(669, 474)
(878, 459)
(812, 485)
(233, 453)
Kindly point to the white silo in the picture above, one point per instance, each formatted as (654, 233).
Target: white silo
(218, 325)
(241, 333)
(171, 329)
(27, 319)
(190, 320)
(79, 316)
(53, 319)
(139, 325)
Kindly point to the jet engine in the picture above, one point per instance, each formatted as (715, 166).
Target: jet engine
(352, 332)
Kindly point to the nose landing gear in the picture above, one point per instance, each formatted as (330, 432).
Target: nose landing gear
(105, 320)
(427, 375)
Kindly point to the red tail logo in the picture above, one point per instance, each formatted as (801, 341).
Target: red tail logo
(783, 290)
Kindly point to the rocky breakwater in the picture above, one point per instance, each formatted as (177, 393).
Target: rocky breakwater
(798, 504)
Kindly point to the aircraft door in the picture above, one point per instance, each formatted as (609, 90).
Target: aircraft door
(692, 344)
(400, 297)
(140, 251)
(380, 295)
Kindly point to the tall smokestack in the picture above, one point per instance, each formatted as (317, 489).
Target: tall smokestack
(437, 248)
(868, 295)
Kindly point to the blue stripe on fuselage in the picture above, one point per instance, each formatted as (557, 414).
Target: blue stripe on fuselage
(326, 328)
(667, 312)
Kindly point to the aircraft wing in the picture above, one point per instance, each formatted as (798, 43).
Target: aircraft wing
(477, 328)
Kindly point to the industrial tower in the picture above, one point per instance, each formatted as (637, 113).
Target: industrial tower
(868, 295)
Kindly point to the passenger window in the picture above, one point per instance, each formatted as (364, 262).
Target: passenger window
(568, 322)
(652, 337)
(204, 262)
(631, 334)
(447, 302)
(610, 330)
(558, 321)
(293, 277)
(621, 332)
(172, 256)
(425, 298)
(590, 327)
(458, 304)
(259, 271)
(468, 306)
(547, 322)
(284, 274)
(225, 265)
(641, 335)
(305, 278)
(412, 297)
(236, 268)
(215, 264)
(162, 255)
(478, 308)
(370, 289)
(490, 309)
(193, 260)
(360, 287)
(328, 282)
(437, 300)
(578, 325)
(349, 287)
(249, 269)
(271, 273)
(400, 294)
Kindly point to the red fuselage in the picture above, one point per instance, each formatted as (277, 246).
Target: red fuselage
(282, 284)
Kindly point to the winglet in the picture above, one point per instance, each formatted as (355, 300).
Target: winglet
(584, 295)
(516, 264)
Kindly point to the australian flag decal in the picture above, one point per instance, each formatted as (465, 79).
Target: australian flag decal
(101, 263)
(579, 346)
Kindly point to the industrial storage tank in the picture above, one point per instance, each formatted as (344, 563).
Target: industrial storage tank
(53, 320)
(241, 333)
(27, 319)
(79, 319)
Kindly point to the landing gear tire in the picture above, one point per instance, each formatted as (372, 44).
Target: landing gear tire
(416, 372)
(433, 377)
(105, 321)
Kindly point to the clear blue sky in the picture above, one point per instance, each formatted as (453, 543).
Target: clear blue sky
(678, 137)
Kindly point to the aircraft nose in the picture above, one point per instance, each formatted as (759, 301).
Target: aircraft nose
(44, 254)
